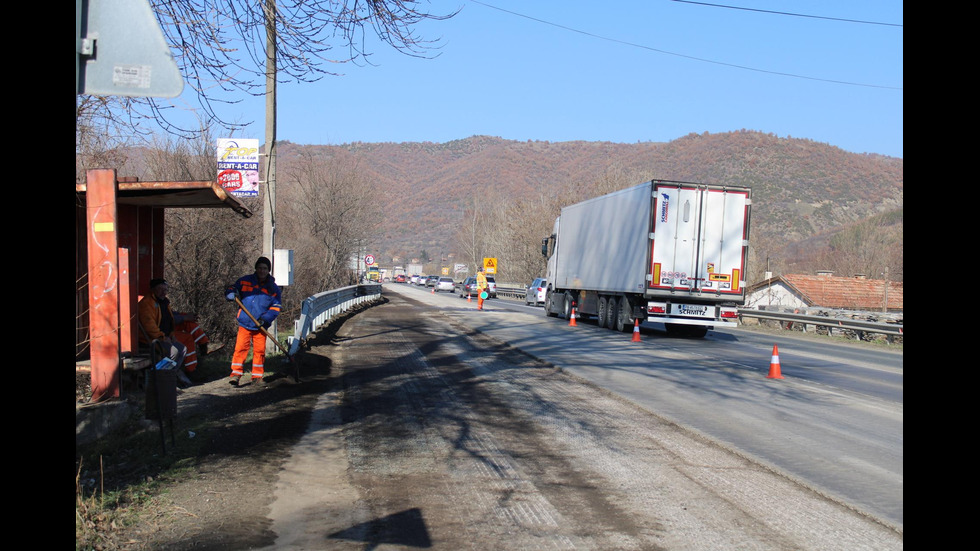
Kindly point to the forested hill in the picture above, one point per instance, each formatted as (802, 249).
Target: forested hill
(802, 189)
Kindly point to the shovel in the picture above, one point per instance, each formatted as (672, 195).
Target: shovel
(289, 357)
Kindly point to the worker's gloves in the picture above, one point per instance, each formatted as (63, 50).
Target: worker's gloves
(230, 297)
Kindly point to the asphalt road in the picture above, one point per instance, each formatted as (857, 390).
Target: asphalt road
(458, 429)
(834, 422)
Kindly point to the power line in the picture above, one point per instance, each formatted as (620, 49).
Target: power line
(693, 58)
(790, 13)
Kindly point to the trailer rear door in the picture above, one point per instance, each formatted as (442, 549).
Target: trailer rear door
(700, 239)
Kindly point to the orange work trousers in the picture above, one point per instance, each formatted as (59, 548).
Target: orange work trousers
(191, 336)
(249, 339)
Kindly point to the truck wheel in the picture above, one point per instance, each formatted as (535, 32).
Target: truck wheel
(567, 306)
(612, 311)
(624, 318)
(600, 313)
(549, 306)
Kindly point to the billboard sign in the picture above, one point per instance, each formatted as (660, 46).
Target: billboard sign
(238, 166)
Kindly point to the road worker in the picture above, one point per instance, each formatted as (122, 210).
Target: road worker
(260, 296)
(481, 287)
(178, 332)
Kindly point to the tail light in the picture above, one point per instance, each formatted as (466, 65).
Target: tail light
(729, 313)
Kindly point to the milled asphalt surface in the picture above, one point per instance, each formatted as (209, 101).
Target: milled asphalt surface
(441, 438)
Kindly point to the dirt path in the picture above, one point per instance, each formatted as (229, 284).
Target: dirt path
(412, 432)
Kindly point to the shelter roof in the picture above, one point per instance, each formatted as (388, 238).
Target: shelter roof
(204, 194)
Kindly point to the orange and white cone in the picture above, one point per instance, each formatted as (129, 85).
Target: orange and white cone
(636, 330)
(774, 371)
(469, 297)
(571, 319)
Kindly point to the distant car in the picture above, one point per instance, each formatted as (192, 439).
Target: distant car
(445, 284)
(469, 287)
(536, 292)
(431, 281)
(491, 287)
(400, 278)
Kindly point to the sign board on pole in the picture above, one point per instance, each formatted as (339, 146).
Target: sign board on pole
(120, 51)
(490, 266)
(238, 166)
(282, 267)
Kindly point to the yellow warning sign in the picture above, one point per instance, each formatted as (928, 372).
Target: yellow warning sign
(490, 265)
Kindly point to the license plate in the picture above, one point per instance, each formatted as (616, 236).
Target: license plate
(692, 310)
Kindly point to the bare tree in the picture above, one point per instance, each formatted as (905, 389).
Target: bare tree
(870, 247)
(101, 135)
(328, 213)
(526, 222)
(474, 233)
(220, 46)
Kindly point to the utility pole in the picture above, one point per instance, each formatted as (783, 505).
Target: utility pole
(884, 305)
(269, 204)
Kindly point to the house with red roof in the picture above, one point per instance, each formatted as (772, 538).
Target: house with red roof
(824, 290)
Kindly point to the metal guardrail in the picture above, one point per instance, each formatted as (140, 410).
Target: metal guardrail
(845, 324)
(511, 291)
(858, 326)
(322, 307)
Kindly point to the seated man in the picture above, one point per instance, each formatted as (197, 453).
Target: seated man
(179, 332)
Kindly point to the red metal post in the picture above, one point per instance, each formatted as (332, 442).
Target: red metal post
(103, 283)
(127, 305)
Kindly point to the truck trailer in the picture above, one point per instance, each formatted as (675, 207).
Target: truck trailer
(662, 251)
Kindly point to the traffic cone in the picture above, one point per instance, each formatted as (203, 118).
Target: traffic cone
(433, 290)
(571, 319)
(636, 330)
(469, 297)
(774, 371)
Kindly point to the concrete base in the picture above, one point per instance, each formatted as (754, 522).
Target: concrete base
(94, 421)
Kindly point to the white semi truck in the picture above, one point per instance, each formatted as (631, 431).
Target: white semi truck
(662, 251)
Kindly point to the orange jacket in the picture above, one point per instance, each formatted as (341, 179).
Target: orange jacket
(150, 314)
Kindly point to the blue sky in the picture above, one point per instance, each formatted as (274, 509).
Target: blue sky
(624, 71)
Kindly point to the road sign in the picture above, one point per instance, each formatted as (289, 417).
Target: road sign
(369, 260)
(490, 265)
(120, 51)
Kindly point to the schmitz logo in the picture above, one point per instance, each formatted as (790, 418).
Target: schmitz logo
(664, 206)
(692, 310)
